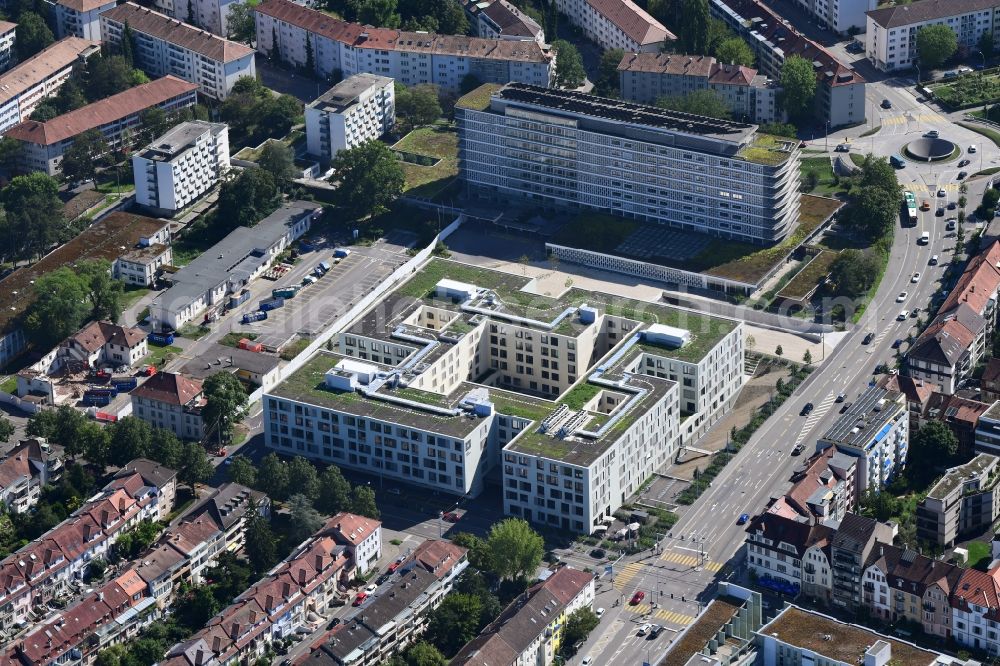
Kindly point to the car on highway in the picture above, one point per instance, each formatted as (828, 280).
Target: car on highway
(868, 338)
(952, 205)
(842, 148)
(933, 134)
(637, 597)
(962, 175)
(942, 194)
(644, 629)
(600, 613)
(841, 397)
(940, 211)
(902, 315)
(886, 104)
(950, 224)
(360, 599)
(914, 313)
(807, 409)
(933, 261)
(744, 517)
(587, 661)
(797, 450)
(655, 631)
(897, 343)
(902, 296)
(916, 277)
(963, 163)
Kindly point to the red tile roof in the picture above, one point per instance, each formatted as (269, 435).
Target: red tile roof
(96, 334)
(733, 75)
(52, 59)
(170, 388)
(438, 557)
(104, 112)
(637, 24)
(667, 63)
(21, 462)
(979, 283)
(367, 37)
(352, 528)
(84, 5)
(181, 34)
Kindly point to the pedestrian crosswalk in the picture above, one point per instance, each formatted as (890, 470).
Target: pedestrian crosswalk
(625, 573)
(905, 118)
(817, 413)
(671, 617)
(689, 560)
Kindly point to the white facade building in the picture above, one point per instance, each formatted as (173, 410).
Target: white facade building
(180, 166)
(617, 24)
(210, 15)
(27, 84)
(570, 150)
(891, 42)
(8, 35)
(356, 110)
(289, 31)
(361, 536)
(840, 16)
(171, 401)
(166, 46)
(80, 18)
(499, 19)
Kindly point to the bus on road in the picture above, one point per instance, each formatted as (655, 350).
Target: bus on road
(910, 201)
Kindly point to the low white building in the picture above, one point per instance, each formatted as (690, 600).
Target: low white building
(617, 24)
(103, 343)
(180, 166)
(230, 265)
(166, 46)
(358, 109)
(80, 18)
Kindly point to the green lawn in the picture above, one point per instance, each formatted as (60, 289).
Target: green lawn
(294, 348)
(979, 555)
(437, 141)
(968, 90)
(159, 355)
(989, 133)
(9, 385)
(133, 294)
(806, 279)
(233, 339)
(823, 168)
(192, 331)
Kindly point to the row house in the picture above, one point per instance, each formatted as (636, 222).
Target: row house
(26, 469)
(823, 489)
(303, 584)
(787, 555)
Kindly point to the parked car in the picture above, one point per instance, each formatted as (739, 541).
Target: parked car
(371, 588)
(952, 205)
(933, 134)
(962, 175)
(897, 343)
(599, 613)
(360, 599)
(942, 194)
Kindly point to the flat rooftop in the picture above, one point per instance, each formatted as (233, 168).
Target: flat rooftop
(864, 420)
(838, 641)
(615, 110)
(347, 92)
(960, 474)
(177, 140)
(694, 639)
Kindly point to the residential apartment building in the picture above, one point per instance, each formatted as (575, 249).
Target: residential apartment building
(840, 90)
(749, 96)
(990, 381)
(841, 16)
(850, 547)
(284, 29)
(80, 18)
(499, 19)
(787, 555)
(397, 616)
(141, 265)
(24, 471)
(439, 390)
(44, 143)
(154, 475)
(961, 415)
(361, 536)
(958, 338)
(8, 35)
(822, 490)
(55, 563)
(529, 630)
(967, 498)
(165, 46)
(177, 168)
(891, 43)
(569, 150)
(206, 283)
(26, 85)
(724, 631)
(875, 429)
(101, 344)
(988, 431)
(210, 15)
(171, 401)
(975, 604)
(358, 109)
(617, 24)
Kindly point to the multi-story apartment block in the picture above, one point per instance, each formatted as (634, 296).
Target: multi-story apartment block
(840, 91)
(180, 166)
(166, 46)
(875, 429)
(358, 109)
(171, 401)
(44, 143)
(990, 381)
(27, 84)
(210, 15)
(529, 630)
(361, 536)
(230, 265)
(80, 18)
(850, 547)
(25, 470)
(445, 380)
(152, 474)
(822, 490)
(288, 31)
(8, 34)
(840, 16)
(975, 603)
(785, 554)
(499, 19)
(50, 565)
(966, 498)
(751, 97)
(617, 24)
(988, 431)
(891, 42)
(569, 150)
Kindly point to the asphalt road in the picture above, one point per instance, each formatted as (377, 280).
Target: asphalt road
(706, 544)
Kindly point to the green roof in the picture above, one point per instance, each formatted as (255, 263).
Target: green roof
(478, 99)
(767, 149)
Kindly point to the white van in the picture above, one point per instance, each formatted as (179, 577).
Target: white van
(972, 148)
(925, 238)
(934, 260)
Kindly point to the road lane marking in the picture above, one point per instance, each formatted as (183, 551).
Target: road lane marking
(672, 617)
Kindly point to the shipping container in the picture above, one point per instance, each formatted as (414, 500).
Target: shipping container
(250, 345)
(161, 338)
(96, 400)
(239, 299)
(285, 292)
(271, 304)
(254, 316)
(124, 383)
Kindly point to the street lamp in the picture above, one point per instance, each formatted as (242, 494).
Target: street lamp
(826, 139)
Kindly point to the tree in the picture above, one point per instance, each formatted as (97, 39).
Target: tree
(379, 12)
(480, 555)
(304, 519)
(516, 549)
(310, 65)
(985, 44)
(278, 114)
(334, 491)
(424, 654)
(225, 404)
(933, 445)
(246, 197)
(109, 75)
(370, 179)
(277, 159)
(854, 272)
(10, 153)
(242, 471)
(154, 122)
(240, 22)
(303, 477)
(699, 102)
(195, 467)
(569, 65)
(778, 351)
(692, 26)
(455, 622)
(469, 83)
(60, 307)
(272, 476)
(417, 106)
(131, 438)
(94, 443)
(6, 429)
(578, 626)
(608, 80)
(935, 44)
(363, 502)
(128, 45)
(735, 51)
(261, 546)
(32, 35)
(165, 448)
(104, 292)
(34, 213)
(878, 505)
(807, 357)
(798, 82)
